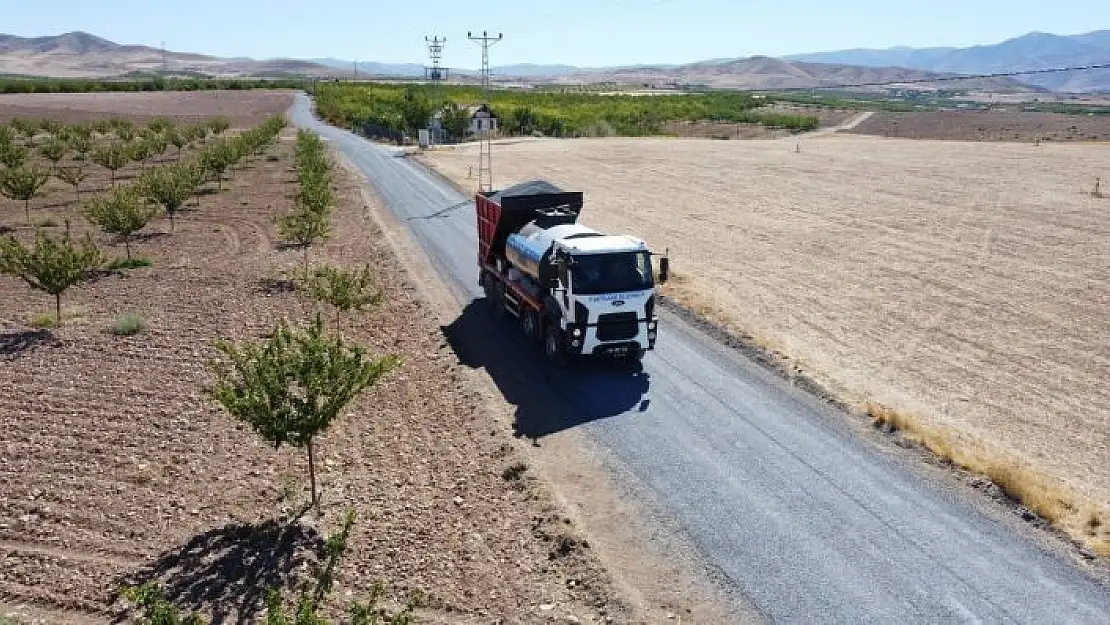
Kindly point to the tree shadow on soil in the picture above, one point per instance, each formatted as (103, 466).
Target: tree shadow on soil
(228, 570)
(547, 400)
(13, 344)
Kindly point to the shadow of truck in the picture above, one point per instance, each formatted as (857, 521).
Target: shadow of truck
(547, 400)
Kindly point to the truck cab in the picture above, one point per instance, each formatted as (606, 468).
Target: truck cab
(575, 290)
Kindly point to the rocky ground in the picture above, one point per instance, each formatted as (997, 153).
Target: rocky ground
(115, 468)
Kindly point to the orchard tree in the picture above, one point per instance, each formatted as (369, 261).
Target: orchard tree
(27, 128)
(73, 175)
(178, 139)
(303, 229)
(53, 151)
(12, 156)
(121, 212)
(345, 291)
(139, 152)
(124, 129)
(113, 157)
(52, 265)
(81, 147)
(290, 388)
(23, 185)
(7, 135)
(219, 125)
(216, 159)
(169, 186)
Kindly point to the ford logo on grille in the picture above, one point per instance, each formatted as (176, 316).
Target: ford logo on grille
(618, 303)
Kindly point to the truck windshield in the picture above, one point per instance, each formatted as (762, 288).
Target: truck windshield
(595, 274)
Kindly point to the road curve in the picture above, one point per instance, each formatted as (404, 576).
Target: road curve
(806, 521)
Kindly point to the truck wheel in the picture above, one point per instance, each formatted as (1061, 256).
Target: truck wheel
(530, 323)
(553, 348)
(497, 298)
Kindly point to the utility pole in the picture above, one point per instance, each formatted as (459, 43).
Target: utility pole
(356, 70)
(165, 63)
(485, 147)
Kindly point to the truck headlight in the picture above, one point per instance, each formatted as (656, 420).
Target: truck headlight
(576, 332)
(651, 325)
(651, 335)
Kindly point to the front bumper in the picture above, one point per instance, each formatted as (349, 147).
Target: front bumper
(583, 339)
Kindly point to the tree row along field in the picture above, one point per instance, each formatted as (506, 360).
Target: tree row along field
(382, 110)
(132, 458)
(955, 290)
(147, 84)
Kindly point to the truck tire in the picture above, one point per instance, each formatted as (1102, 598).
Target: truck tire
(530, 323)
(496, 297)
(553, 348)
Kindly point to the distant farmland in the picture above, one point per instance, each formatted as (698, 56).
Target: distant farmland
(963, 286)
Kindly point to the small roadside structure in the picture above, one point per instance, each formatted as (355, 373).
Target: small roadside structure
(478, 119)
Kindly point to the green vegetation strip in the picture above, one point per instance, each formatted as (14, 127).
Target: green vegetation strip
(386, 111)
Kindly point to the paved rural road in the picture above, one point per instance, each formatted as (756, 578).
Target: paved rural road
(810, 524)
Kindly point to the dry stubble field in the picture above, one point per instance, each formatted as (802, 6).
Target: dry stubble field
(964, 286)
(115, 468)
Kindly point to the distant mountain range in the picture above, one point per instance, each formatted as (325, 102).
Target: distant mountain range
(1032, 51)
(80, 54)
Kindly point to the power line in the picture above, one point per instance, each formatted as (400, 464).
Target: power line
(485, 41)
(958, 77)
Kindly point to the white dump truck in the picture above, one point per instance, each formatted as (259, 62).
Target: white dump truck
(577, 291)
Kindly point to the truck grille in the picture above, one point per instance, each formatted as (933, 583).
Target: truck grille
(617, 326)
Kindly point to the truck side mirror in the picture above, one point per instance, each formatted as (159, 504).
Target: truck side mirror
(664, 269)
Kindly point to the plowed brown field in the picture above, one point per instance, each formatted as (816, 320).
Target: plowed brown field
(963, 285)
(115, 468)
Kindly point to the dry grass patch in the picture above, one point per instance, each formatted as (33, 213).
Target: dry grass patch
(964, 283)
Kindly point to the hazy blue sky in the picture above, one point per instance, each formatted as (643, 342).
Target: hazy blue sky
(579, 32)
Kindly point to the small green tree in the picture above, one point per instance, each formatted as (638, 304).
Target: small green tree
(303, 229)
(52, 265)
(73, 175)
(416, 111)
(219, 125)
(178, 139)
(124, 129)
(81, 147)
(27, 128)
(53, 127)
(23, 184)
(216, 159)
(140, 152)
(291, 387)
(102, 126)
(113, 157)
(455, 120)
(169, 186)
(156, 610)
(7, 135)
(121, 212)
(53, 151)
(12, 156)
(161, 125)
(345, 291)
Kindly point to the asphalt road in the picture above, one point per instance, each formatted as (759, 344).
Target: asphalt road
(808, 522)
